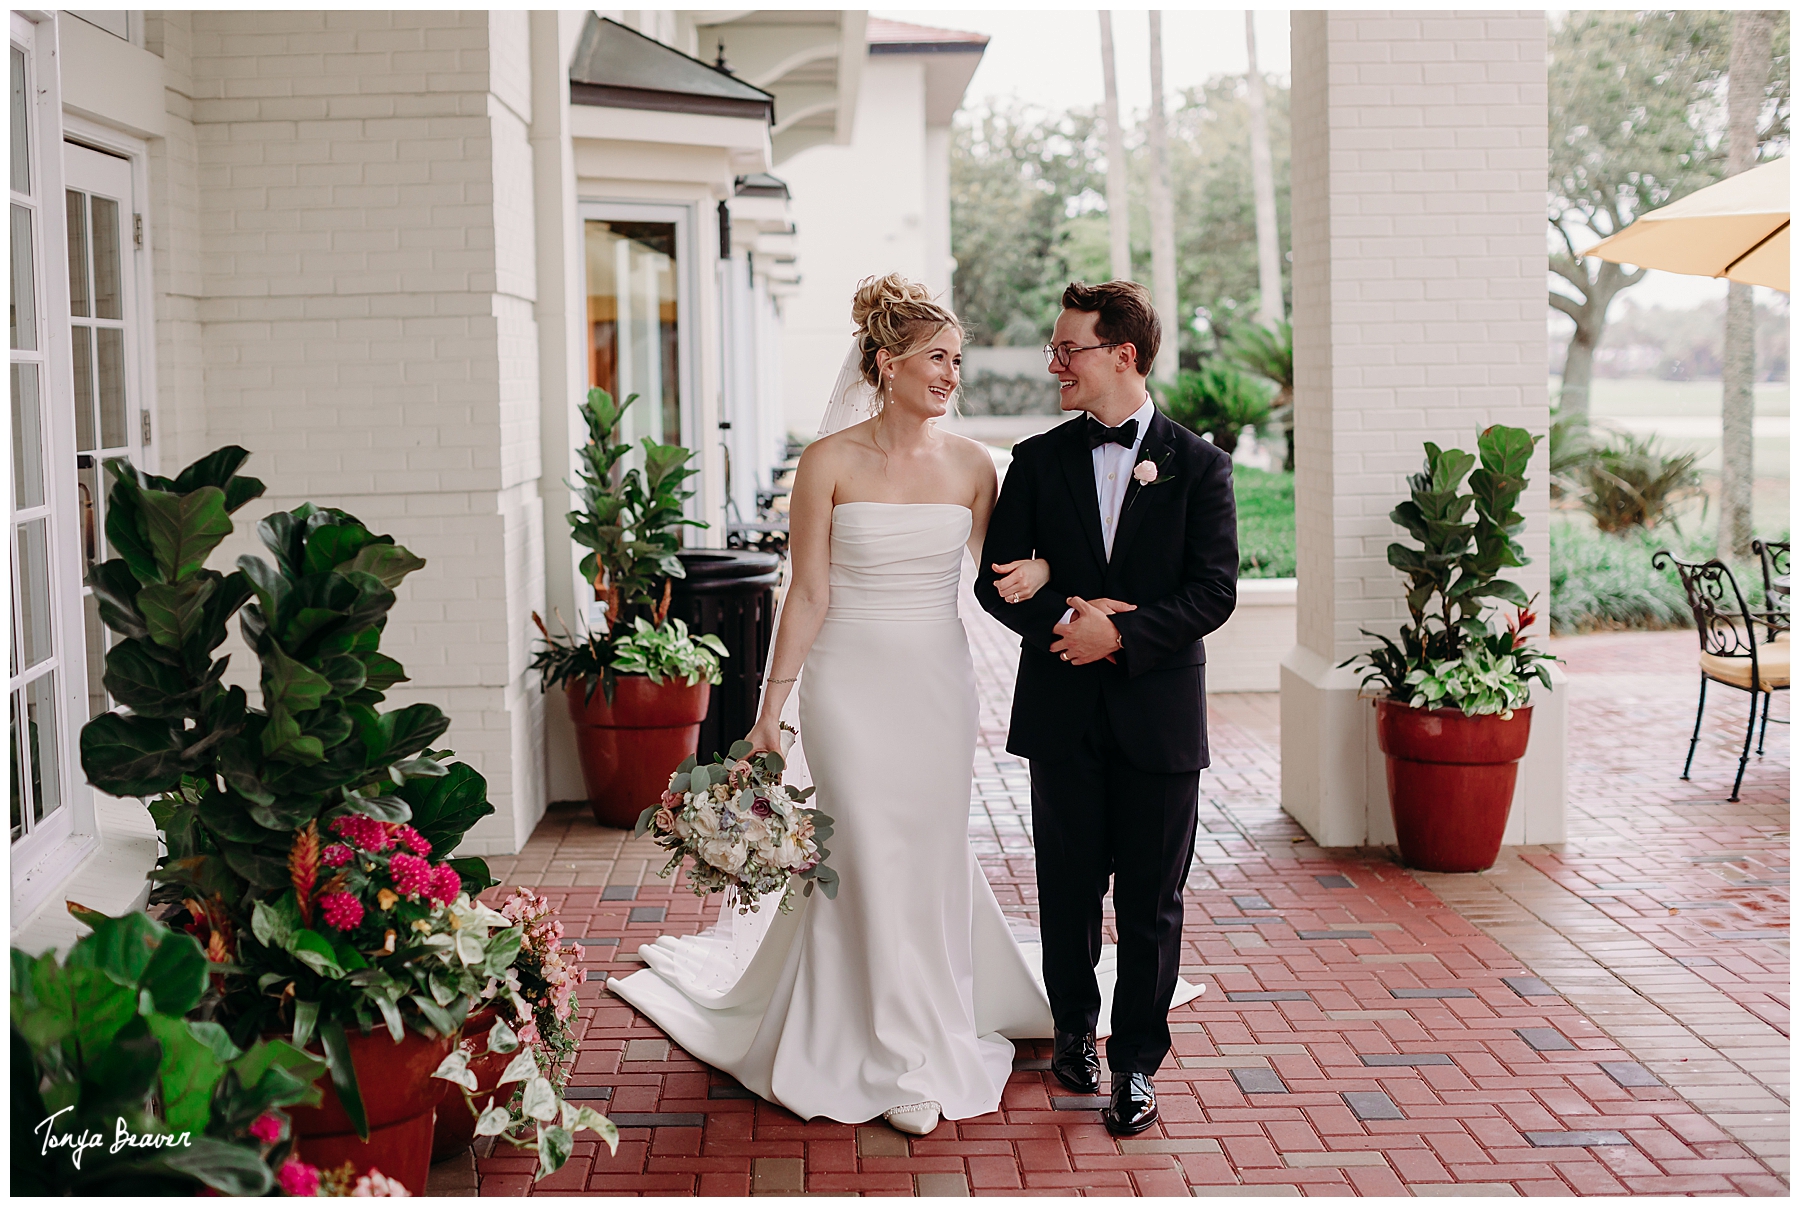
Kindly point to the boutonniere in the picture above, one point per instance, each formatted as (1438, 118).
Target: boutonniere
(1148, 473)
(1152, 473)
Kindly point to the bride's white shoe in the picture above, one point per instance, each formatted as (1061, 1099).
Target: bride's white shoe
(918, 1119)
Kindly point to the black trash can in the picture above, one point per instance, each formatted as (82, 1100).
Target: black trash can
(730, 593)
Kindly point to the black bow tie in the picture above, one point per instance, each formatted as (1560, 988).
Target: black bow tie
(1125, 435)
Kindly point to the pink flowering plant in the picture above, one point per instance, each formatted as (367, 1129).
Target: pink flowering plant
(746, 831)
(540, 986)
(298, 1180)
(379, 932)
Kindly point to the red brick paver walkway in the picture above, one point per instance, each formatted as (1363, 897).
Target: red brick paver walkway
(1363, 1031)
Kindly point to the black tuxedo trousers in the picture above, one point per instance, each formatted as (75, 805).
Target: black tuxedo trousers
(1115, 748)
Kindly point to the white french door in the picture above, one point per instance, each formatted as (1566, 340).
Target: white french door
(50, 804)
(103, 331)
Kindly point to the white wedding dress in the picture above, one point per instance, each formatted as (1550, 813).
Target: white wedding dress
(909, 986)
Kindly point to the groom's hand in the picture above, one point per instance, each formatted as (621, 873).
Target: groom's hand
(1089, 635)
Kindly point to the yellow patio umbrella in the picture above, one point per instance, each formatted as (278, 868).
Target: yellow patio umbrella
(1736, 229)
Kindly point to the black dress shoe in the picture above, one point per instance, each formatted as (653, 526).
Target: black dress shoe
(1133, 1106)
(1076, 1062)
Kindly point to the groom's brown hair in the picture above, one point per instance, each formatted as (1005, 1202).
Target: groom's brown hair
(1126, 316)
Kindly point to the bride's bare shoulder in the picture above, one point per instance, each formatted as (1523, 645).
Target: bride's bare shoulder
(966, 452)
(840, 445)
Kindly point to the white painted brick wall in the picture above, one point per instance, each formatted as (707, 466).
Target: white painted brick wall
(1418, 284)
(346, 280)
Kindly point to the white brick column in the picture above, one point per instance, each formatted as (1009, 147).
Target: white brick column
(366, 303)
(1419, 169)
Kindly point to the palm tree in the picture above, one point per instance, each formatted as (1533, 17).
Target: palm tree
(1268, 353)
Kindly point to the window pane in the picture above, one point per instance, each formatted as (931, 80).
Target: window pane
(28, 438)
(96, 657)
(32, 614)
(19, 805)
(21, 126)
(632, 318)
(83, 338)
(40, 735)
(78, 254)
(112, 387)
(107, 301)
(24, 297)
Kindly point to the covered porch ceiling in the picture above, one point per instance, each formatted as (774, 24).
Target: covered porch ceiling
(810, 60)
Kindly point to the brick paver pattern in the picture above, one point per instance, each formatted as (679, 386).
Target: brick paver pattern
(1363, 1031)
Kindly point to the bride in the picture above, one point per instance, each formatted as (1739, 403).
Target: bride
(898, 998)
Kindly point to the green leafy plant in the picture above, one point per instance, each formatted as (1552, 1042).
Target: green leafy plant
(1630, 483)
(1454, 571)
(1492, 677)
(630, 520)
(1220, 400)
(1268, 354)
(669, 652)
(240, 791)
(103, 1048)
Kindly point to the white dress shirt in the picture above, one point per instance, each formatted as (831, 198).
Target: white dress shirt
(1113, 464)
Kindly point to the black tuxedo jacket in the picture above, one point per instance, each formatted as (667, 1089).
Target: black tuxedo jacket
(1175, 557)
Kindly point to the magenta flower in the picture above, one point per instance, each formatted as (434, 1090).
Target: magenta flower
(762, 808)
(337, 855)
(298, 1180)
(445, 883)
(342, 911)
(266, 1127)
(412, 875)
(365, 832)
(413, 841)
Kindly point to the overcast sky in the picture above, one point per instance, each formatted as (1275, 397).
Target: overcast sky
(1051, 58)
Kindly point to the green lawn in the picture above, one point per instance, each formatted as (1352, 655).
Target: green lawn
(1265, 513)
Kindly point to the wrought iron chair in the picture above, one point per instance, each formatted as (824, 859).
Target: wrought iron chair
(1774, 558)
(1730, 651)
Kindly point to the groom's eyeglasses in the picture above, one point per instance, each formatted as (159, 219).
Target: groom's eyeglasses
(1056, 356)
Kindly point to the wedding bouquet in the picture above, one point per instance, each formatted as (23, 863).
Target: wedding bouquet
(744, 829)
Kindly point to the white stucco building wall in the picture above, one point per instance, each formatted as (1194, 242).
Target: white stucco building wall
(879, 205)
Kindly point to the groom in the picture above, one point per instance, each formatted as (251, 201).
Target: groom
(1135, 516)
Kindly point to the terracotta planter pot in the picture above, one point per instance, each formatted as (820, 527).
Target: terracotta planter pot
(1450, 782)
(630, 748)
(455, 1128)
(400, 1097)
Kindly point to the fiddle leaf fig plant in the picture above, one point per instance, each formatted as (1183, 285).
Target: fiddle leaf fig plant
(248, 798)
(104, 1047)
(1448, 652)
(629, 520)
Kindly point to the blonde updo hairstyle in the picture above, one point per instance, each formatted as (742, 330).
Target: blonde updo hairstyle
(896, 315)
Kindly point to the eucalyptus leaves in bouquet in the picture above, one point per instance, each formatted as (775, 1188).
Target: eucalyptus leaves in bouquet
(1449, 654)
